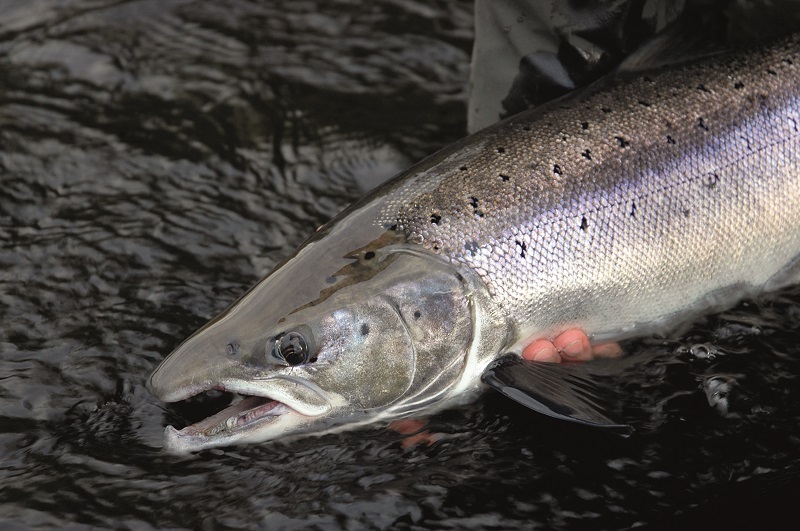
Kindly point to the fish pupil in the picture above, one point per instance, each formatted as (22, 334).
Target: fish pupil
(292, 347)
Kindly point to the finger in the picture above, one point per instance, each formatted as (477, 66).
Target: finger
(541, 350)
(573, 345)
(607, 350)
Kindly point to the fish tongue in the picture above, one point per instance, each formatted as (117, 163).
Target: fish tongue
(243, 405)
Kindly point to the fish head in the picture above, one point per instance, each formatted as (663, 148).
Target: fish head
(386, 335)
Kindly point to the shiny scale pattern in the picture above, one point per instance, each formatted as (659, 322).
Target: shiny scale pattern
(652, 189)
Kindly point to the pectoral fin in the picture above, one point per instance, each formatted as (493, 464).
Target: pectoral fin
(566, 392)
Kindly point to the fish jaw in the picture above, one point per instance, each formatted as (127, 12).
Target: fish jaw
(237, 423)
(269, 408)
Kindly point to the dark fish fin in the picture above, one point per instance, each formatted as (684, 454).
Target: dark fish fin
(559, 391)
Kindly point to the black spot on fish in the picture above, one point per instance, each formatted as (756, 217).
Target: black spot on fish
(702, 124)
(686, 212)
(417, 314)
(501, 150)
(633, 209)
(504, 177)
(746, 142)
(282, 319)
(232, 348)
(473, 202)
(463, 168)
(670, 140)
(364, 329)
(648, 79)
(738, 85)
(622, 142)
(584, 125)
(556, 169)
(436, 247)
(644, 103)
(605, 109)
(584, 224)
(391, 227)
(330, 280)
(711, 180)
(435, 219)
(526, 128)
(587, 155)
(771, 72)
(702, 88)
(471, 247)
(369, 255)
(787, 61)
(794, 123)
(522, 248)
(563, 138)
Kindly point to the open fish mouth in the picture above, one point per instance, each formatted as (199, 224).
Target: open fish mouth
(243, 412)
(282, 406)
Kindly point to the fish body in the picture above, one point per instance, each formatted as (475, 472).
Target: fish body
(623, 210)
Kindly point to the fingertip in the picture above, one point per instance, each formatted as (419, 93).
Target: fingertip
(607, 350)
(573, 345)
(407, 426)
(541, 350)
(548, 355)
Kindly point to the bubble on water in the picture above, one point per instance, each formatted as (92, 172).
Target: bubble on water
(704, 351)
(718, 391)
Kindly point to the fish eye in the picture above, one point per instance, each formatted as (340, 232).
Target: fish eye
(291, 347)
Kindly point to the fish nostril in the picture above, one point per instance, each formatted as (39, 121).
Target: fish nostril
(232, 348)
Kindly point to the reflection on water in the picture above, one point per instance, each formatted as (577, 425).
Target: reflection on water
(157, 158)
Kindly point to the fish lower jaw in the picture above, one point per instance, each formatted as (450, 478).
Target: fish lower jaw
(239, 421)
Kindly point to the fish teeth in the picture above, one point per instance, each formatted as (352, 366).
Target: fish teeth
(227, 425)
(238, 420)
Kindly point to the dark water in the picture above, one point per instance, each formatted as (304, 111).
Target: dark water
(158, 157)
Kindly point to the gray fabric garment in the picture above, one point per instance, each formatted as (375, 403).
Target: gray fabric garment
(529, 51)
